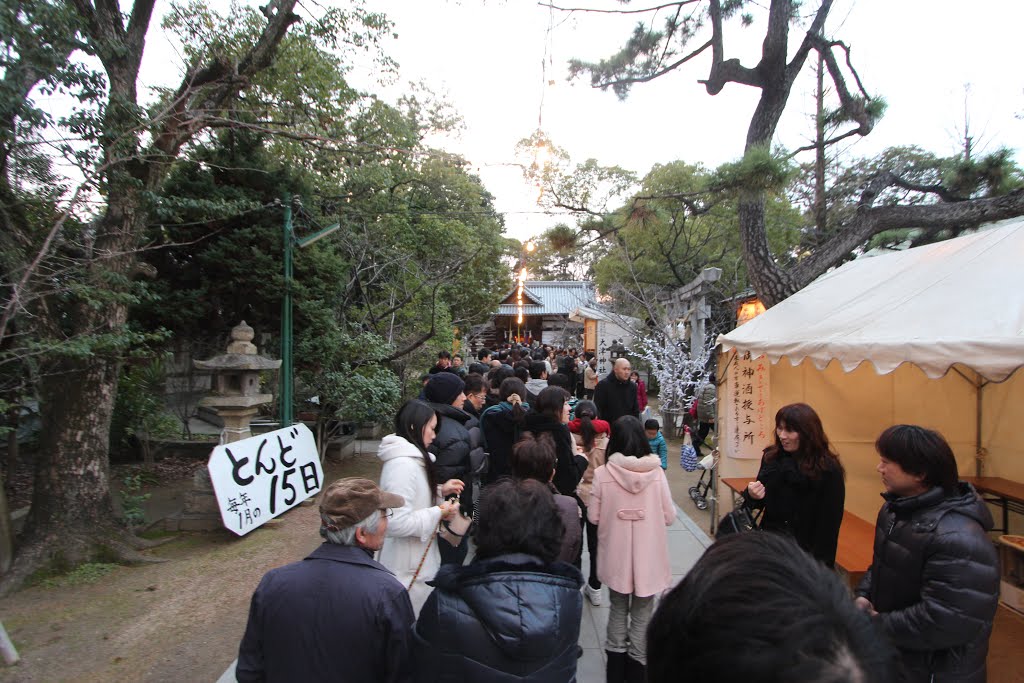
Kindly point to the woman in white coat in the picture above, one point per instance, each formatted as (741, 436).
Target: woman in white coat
(410, 548)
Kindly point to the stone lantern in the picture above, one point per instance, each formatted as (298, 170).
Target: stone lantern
(236, 396)
(616, 351)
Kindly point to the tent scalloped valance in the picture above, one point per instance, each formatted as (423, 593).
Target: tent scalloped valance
(958, 302)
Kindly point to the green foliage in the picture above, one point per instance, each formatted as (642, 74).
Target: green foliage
(139, 407)
(588, 187)
(132, 500)
(925, 177)
(346, 370)
(874, 107)
(685, 222)
(561, 253)
(991, 175)
(303, 91)
(418, 252)
(221, 233)
(639, 57)
(758, 171)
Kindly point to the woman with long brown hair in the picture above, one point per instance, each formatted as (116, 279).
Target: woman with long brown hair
(409, 549)
(551, 414)
(801, 483)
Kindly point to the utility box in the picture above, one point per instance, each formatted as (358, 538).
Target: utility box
(1011, 559)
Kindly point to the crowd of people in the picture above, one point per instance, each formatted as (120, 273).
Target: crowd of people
(523, 459)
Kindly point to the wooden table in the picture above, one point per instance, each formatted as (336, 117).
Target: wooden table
(737, 485)
(1003, 492)
(856, 536)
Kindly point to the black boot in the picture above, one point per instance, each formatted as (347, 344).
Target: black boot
(635, 671)
(616, 669)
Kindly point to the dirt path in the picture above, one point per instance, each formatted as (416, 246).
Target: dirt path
(176, 621)
(180, 620)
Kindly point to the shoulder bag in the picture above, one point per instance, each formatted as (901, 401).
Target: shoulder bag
(739, 521)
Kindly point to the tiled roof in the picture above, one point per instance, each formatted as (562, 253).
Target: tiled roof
(556, 297)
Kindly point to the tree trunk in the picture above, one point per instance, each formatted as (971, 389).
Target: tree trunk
(6, 532)
(72, 478)
(771, 283)
(72, 518)
(13, 421)
(820, 209)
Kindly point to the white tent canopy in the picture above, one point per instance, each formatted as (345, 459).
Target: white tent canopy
(955, 302)
(882, 335)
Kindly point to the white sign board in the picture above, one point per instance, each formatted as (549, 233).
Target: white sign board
(750, 428)
(258, 478)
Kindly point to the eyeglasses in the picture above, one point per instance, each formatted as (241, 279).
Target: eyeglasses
(387, 512)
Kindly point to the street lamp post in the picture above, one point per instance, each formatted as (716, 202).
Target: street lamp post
(290, 242)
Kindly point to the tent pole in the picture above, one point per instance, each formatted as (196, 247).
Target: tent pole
(720, 377)
(979, 383)
(977, 435)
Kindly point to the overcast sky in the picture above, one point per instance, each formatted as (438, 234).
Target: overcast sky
(488, 57)
(503, 66)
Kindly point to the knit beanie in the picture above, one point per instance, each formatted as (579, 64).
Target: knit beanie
(443, 387)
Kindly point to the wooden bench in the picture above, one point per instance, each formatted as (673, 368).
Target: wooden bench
(1003, 492)
(856, 536)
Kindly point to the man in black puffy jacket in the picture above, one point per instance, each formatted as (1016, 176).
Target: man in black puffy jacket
(933, 584)
(457, 451)
(513, 614)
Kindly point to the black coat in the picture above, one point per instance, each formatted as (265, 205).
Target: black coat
(615, 398)
(811, 510)
(505, 619)
(500, 431)
(569, 466)
(303, 616)
(457, 450)
(567, 366)
(934, 581)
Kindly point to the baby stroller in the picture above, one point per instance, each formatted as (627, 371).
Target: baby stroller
(688, 459)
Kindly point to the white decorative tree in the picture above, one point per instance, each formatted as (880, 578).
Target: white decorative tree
(681, 372)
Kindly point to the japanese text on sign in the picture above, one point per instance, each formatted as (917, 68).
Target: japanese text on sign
(750, 426)
(258, 478)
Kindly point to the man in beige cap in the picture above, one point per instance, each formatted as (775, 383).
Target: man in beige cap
(337, 615)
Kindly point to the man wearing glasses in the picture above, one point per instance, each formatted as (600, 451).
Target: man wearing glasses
(476, 395)
(338, 596)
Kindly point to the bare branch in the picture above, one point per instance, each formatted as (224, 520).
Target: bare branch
(849, 65)
(209, 87)
(936, 189)
(853, 107)
(138, 24)
(15, 301)
(829, 142)
(870, 221)
(618, 11)
(810, 38)
(656, 74)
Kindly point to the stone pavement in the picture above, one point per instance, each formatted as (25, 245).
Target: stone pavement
(686, 543)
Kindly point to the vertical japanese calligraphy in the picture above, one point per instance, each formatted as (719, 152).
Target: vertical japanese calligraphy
(750, 427)
(258, 478)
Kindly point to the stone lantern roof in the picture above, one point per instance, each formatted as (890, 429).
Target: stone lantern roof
(236, 373)
(241, 354)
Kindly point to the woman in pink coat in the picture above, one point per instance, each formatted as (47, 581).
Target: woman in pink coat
(631, 505)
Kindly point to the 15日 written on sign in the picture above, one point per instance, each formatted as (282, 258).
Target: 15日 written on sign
(258, 478)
